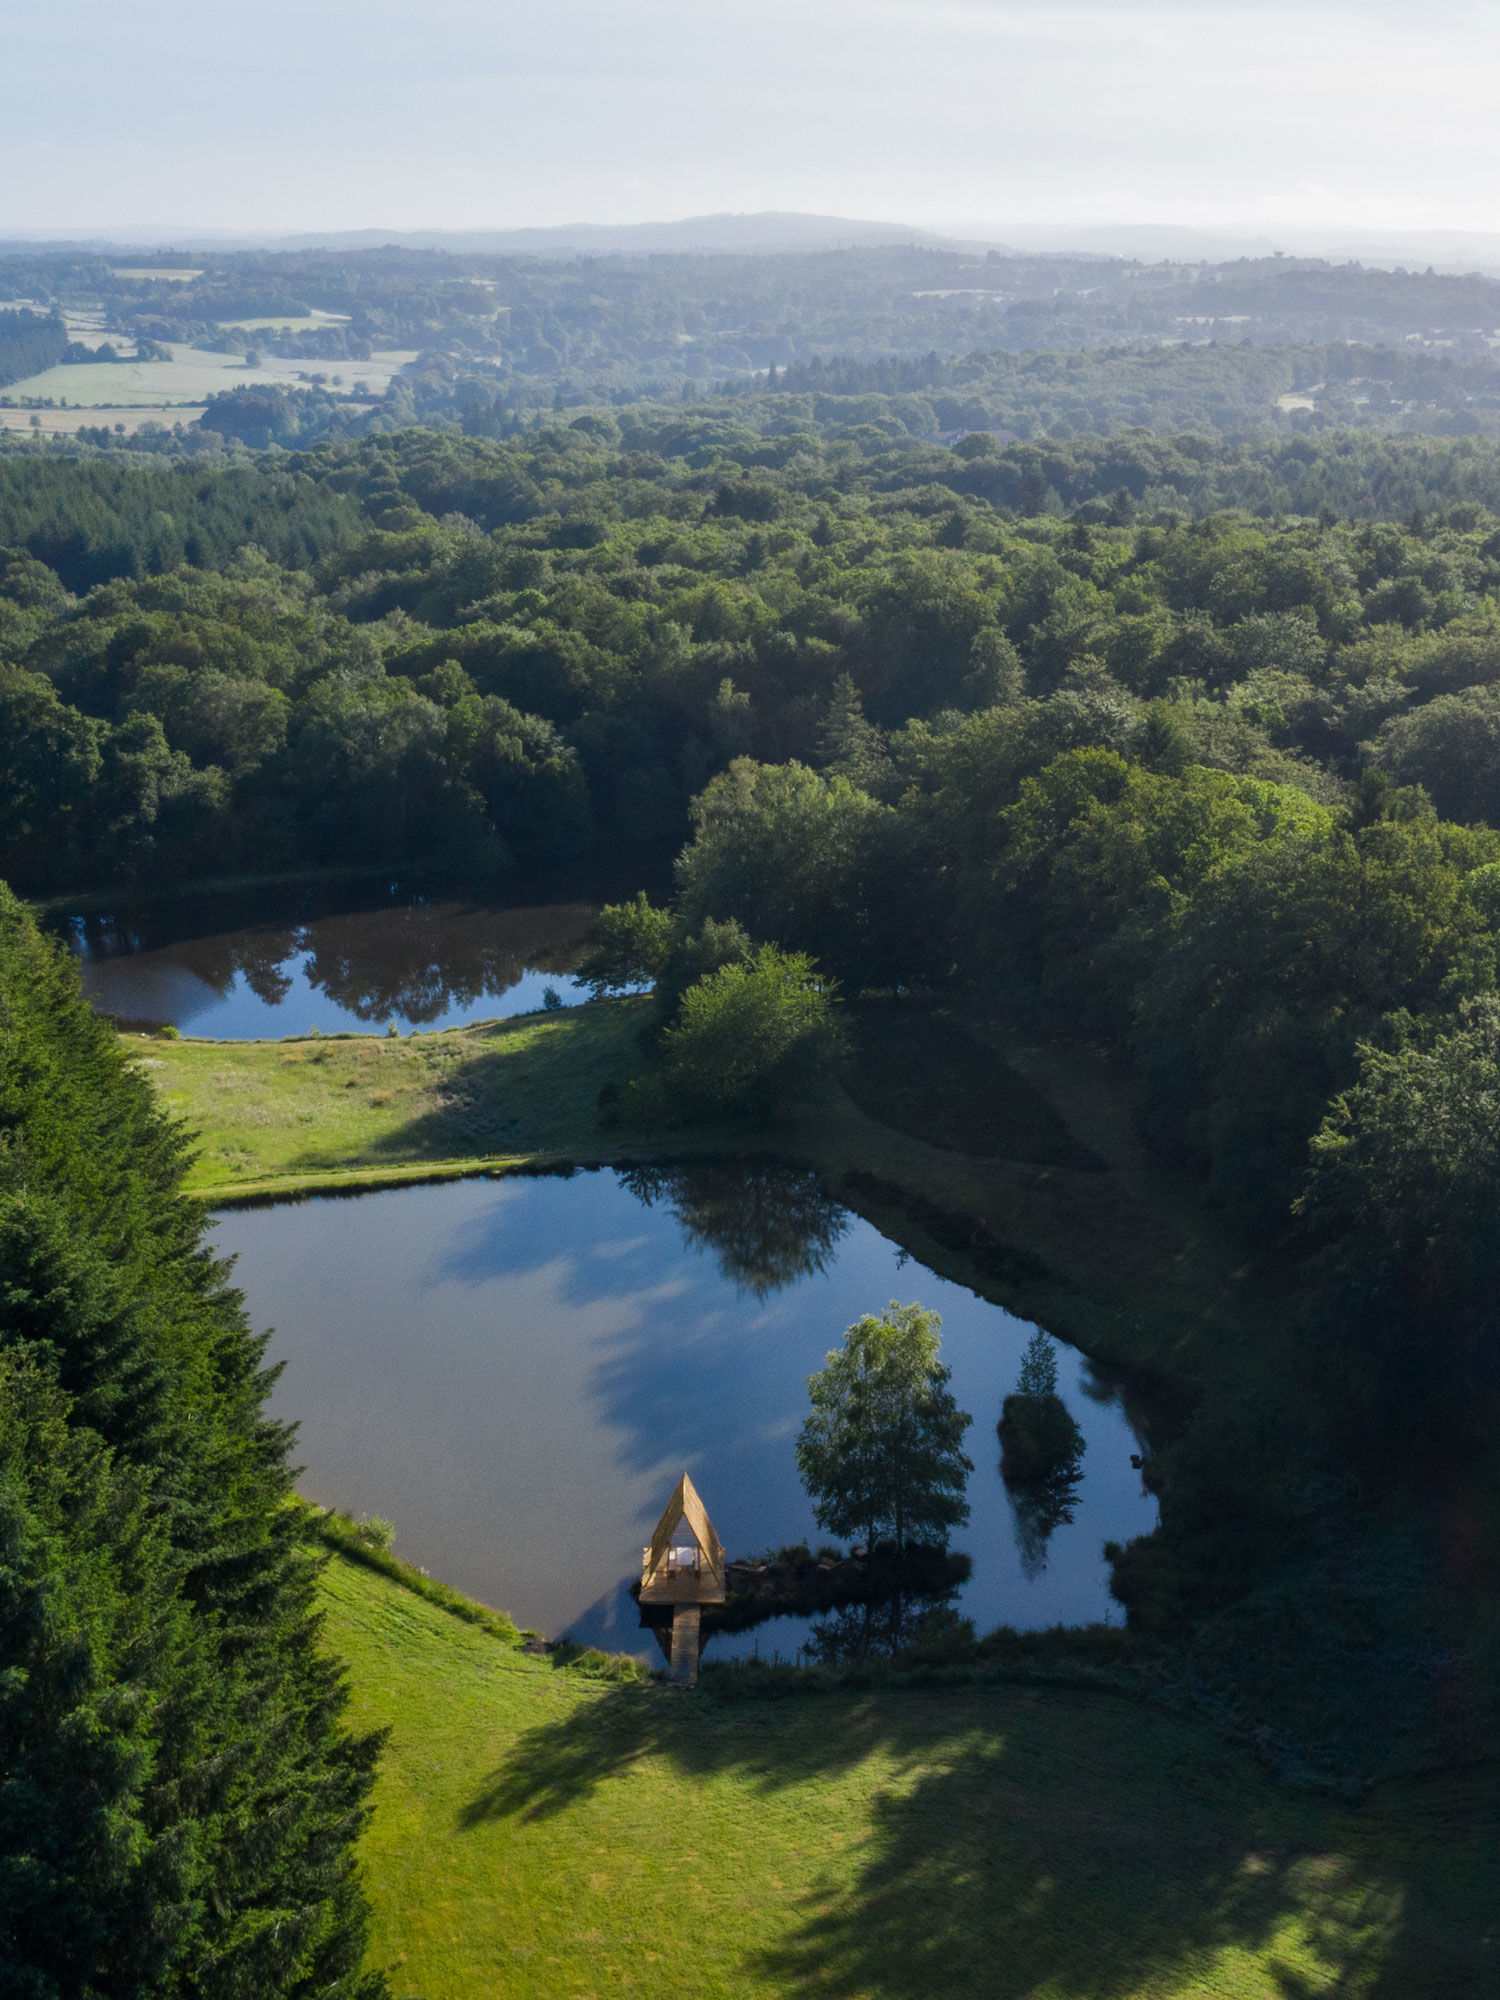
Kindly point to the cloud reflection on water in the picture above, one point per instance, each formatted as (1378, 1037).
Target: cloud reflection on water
(515, 1372)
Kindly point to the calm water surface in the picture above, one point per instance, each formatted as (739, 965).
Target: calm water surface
(221, 967)
(516, 1372)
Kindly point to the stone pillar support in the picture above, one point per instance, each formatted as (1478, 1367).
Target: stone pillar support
(686, 1644)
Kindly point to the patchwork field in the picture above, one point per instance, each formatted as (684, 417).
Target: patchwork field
(177, 276)
(66, 423)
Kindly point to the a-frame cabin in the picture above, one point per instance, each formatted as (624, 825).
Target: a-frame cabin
(684, 1573)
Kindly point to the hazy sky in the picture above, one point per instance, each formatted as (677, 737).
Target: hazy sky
(302, 114)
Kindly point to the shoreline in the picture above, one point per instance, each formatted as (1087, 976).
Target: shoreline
(1122, 1262)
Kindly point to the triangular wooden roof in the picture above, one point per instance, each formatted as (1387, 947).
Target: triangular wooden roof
(685, 1508)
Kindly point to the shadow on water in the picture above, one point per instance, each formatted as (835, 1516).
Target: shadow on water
(695, 1375)
(883, 1628)
(765, 1223)
(1020, 1844)
(492, 1363)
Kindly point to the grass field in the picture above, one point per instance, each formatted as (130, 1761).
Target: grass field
(541, 1832)
(66, 422)
(176, 276)
(380, 1106)
(305, 324)
(189, 377)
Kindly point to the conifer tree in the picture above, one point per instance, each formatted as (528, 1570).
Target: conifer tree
(850, 745)
(178, 1797)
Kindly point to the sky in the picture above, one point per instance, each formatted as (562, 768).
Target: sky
(326, 114)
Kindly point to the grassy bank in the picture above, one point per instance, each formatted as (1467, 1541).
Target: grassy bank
(539, 1831)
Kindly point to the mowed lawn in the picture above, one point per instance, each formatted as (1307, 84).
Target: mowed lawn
(269, 1112)
(541, 1832)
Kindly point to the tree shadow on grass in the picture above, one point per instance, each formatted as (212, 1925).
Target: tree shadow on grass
(1019, 1843)
(515, 1090)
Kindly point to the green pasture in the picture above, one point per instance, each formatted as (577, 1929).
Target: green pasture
(306, 323)
(379, 1107)
(541, 1831)
(189, 377)
(181, 276)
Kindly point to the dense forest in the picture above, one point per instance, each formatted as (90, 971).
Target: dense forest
(180, 1799)
(1218, 390)
(418, 650)
(640, 318)
(1226, 789)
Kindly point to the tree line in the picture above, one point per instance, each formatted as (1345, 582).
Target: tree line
(602, 328)
(181, 1795)
(422, 651)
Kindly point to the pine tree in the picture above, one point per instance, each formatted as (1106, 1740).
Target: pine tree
(1041, 1445)
(180, 1798)
(849, 745)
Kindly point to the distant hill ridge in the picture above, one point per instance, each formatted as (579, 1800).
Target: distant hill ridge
(767, 230)
(770, 232)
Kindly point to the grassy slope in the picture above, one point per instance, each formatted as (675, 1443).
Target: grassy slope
(537, 1832)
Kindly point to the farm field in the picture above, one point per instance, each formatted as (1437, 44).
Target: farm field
(64, 423)
(189, 377)
(181, 275)
(307, 323)
(541, 1830)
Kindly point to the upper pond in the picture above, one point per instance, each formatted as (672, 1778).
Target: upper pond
(280, 962)
(515, 1372)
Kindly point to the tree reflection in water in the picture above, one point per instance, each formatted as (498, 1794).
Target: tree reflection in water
(414, 961)
(1041, 1456)
(420, 962)
(883, 1628)
(1040, 1508)
(766, 1224)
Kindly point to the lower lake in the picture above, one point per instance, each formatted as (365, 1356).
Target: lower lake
(516, 1372)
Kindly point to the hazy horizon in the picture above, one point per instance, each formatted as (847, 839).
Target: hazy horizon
(976, 118)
